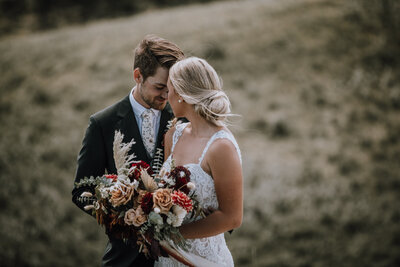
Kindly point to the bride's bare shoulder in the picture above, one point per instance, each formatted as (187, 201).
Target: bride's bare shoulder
(222, 146)
(224, 161)
(223, 149)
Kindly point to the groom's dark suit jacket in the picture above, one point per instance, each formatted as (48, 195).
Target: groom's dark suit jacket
(96, 157)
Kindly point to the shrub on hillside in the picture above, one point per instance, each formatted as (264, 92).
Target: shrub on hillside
(45, 14)
(380, 17)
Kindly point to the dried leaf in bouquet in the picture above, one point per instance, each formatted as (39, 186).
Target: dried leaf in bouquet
(148, 181)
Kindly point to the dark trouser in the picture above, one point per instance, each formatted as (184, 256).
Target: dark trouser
(119, 254)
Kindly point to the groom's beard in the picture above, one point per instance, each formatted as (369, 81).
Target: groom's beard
(157, 102)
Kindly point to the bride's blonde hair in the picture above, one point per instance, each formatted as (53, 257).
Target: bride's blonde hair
(199, 84)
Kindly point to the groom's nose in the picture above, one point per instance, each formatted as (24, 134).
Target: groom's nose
(164, 94)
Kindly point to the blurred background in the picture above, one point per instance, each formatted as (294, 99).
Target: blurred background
(317, 84)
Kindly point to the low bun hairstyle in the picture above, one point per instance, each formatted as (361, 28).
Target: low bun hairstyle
(199, 84)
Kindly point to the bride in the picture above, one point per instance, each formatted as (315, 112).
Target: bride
(208, 149)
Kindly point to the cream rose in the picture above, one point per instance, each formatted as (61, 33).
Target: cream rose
(135, 217)
(129, 216)
(179, 211)
(140, 217)
(176, 217)
(162, 199)
(121, 194)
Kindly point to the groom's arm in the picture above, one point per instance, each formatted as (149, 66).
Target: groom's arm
(91, 162)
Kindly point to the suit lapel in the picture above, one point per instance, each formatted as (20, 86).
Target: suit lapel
(130, 129)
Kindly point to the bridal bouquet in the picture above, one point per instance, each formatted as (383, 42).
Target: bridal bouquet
(135, 204)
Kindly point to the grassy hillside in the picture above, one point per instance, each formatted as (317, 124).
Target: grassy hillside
(319, 131)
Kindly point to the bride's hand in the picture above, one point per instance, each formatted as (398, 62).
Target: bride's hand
(208, 211)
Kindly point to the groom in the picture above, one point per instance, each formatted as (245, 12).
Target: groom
(143, 116)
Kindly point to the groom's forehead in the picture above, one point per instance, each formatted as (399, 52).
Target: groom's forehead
(157, 81)
(160, 77)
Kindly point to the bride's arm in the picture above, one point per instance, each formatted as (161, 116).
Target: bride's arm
(226, 170)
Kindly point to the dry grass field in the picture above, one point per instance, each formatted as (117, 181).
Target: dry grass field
(319, 130)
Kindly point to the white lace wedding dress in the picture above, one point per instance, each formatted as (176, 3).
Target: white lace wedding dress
(212, 248)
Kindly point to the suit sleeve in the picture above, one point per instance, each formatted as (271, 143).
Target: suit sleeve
(91, 162)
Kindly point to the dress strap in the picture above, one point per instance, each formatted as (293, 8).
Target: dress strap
(178, 132)
(217, 135)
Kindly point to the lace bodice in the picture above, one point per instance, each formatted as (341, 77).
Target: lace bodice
(205, 189)
(212, 248)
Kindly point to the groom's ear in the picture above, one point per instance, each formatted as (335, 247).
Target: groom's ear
(137, 75)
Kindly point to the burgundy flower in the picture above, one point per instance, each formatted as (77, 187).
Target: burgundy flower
(181, 175)
(139, 165)
(147, 202)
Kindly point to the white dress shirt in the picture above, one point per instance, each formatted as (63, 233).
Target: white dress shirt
(138, 109)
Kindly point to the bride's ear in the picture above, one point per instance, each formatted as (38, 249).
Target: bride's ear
(137, 75)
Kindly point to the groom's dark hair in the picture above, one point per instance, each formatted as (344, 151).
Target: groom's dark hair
(153, 52)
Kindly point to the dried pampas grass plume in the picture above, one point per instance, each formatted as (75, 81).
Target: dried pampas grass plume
(121, 157)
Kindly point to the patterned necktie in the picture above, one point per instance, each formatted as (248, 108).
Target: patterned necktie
(148, 131)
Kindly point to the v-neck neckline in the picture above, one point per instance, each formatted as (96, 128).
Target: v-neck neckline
(205, 148)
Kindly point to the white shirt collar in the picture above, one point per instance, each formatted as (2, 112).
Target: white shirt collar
(137, 107)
